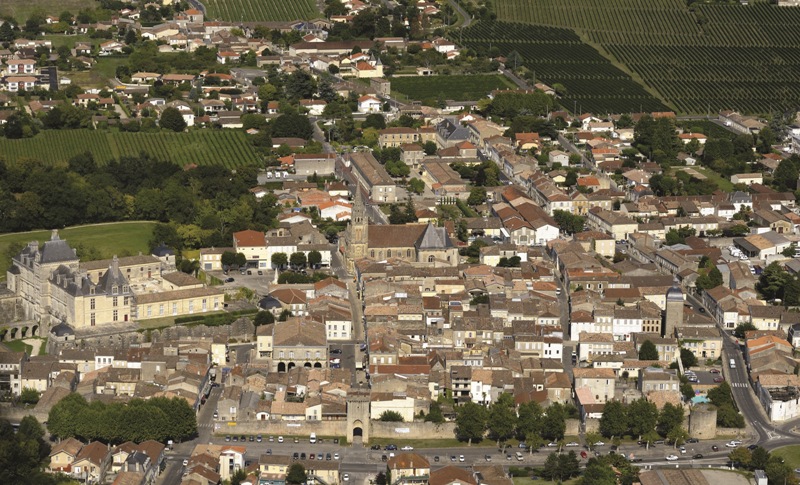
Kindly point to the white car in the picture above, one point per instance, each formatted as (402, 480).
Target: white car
(599, 443)
(345, 477)
(552, 444)
(407, 448)
(731, 445)
(572, 443)
(336, 456)
(671, 457)
(185, 462)
(280, 439)
(461, 458)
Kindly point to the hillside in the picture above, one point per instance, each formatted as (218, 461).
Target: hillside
(699, 58)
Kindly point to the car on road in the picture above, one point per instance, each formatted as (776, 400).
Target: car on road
(599, 443)
(552, 444)
(752, 447)
(345, 477)
(407, 448)
(386, 458)
(227, 438)
(731, 445)
(508, 456)
(280, 439)
(697, 456)
(269, 451)
(714, 371)
(229, 280)
(488, 457)
(573, 443)
(216, 415)
(797, 470)
(185, 462)
(295, 456)
(682, 450)
(453, 458)
(693, 440)
(715, 448)
(637, 460)
(336, 456)
(375, 447)
(336, 351)
(461, 458)
(671, 457)
(258, 438)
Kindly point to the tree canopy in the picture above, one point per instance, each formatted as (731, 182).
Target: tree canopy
(648, 351)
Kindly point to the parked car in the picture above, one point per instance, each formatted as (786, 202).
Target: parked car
(488, 457)
(407, 448)
(719, 379)
(302, 456)
(229, 280)
(731, 445)
(599, 443)
(345, 477)
(714, 448)
(227, 438)
(375, 447)
(692, 440)
(436, 458)
(714, 371)
(336, 456)
(697, 456)
(573, 443)
(671, 457)
(461, 458)
(295, 456)
(280, 439)
(258, 438)
(453, 458)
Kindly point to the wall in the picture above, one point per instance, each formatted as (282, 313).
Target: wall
(416, 430)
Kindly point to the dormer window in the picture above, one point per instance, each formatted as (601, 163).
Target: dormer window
(114, 290)
(91, 290)
(124, 289)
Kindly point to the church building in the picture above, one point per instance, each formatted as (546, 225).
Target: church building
(416, 243)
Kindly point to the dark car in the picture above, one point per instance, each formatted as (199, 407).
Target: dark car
(302, 456)
(693, 440)
(235, 438)
(715, 448)
(436, 458)
(327, 456)
(384, 458)
(269, 451)
(229, 280)
(391, 447)
(252, 438)
(375, 447)
(697, 456)
(453, 458)
(243, 438)
(296, 455)
(637, 460)
(227, 438)
(336, 442)
(752, 447)
(336, 351)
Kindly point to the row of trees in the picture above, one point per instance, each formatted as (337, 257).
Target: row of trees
(158, 419)
(500, 421)
(642, 420)
(760, 459)
(296, 260)
(24, 453)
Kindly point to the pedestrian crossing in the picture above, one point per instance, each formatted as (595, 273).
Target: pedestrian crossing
(739, 384)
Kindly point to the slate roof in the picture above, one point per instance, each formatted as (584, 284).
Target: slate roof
(56, 250)
(434, 238)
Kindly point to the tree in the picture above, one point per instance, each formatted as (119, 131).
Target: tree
(374, 120)
(569, 465)
(238, 476)
(380, 479)
(592, 438)
(568, 222)
(779, 472)
(285, 315)
(688, 358)
(614, 421)
(759, 458)
(263, 318)
(710, 278)
(300, 85)
(435, 414)
(292, 125)
(470, 422)
(29, 396)
(501, 419)
(296, 474)
(529, 421)
(772, 281)
(677, 436)
(430, 148)
(650, 437)
(228, 259)
(552, 468)
(597, 472)
(298, 259)
(554, 423)
(477, 196)
(391, 417)
(671, 416)
(172, 119)
(416, 185)
(648, 351)
(742, 456)
(279, 260)
(314, 258)
(642, 417)
(742, 328)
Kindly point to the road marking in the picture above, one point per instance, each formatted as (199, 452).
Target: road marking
(739, 384)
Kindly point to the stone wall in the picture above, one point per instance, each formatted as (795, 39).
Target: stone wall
(573, 427)
(378, 429)
(415, 430)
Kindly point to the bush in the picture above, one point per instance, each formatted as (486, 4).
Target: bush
(391, 417)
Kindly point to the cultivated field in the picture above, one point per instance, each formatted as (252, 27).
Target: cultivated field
(708, 57)
(557, 55)
(261, 10)
(218, 147)
(22, 9)
(120, 238)
(429, 89)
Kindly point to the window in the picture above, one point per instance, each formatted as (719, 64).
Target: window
(115, 316)
(191, 306)
(114, 301)
(126, 301)
(161, 309)
(149, 311)
(204, 305)
(114, 290)
(91, 303)
(91, 319)
(408, 253)
(430, 259)
(174, 308)
(308, 354)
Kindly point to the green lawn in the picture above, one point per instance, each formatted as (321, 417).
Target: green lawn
(22, 9)
(723, 183)
(791, 454)
(120, 238)
(19, 346)
(431, 89)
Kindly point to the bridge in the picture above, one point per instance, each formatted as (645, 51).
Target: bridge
(17, 330)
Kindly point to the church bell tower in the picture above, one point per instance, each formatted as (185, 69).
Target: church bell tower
(357, 234)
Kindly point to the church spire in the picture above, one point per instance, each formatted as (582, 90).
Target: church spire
(359, 213)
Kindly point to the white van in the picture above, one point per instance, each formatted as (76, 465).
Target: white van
(313, 438)
(519, 456)
(733, 364)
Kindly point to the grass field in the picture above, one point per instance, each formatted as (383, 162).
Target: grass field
(429, 89)
(791, 455)
(699, 58)
(19, 346)
(207, 147)
(120, 238)
(261, 10)
(22, 9)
